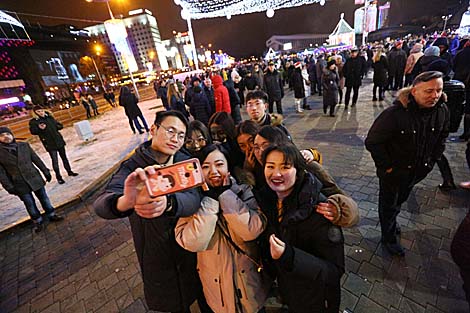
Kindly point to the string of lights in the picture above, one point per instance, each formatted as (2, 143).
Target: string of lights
(200, 9)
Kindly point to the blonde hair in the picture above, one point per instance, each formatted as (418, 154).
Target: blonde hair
(173, 91)
(378, 54)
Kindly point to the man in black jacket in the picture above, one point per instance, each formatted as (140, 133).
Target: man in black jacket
(171, 283)
(47, 128)
(273, 87)
(19, 176)
(405, 142)
(353, 70)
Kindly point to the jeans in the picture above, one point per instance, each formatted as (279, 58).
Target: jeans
(391, 196)
(348, 95)
(144, 122)
(31, 207)
(55, 161)
(278, 106)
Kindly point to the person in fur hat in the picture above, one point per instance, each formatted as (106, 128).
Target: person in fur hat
(405, 142)
(19, 176)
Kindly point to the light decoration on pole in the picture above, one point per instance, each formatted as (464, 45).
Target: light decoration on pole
(200, 9)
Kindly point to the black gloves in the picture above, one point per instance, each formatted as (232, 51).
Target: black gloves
(48, 177)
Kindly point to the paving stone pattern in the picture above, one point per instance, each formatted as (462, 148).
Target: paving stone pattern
(86, 264)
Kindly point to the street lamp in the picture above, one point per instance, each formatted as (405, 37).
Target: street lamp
(446, 18)
(98, 52)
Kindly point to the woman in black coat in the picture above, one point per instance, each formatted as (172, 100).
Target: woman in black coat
(380, 65)
(330, 82)
(297, 82)
(129, 101)
(306, 250)
(199, 107)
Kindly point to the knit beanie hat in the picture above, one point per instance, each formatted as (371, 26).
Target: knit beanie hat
(432, 51)
(5, 129)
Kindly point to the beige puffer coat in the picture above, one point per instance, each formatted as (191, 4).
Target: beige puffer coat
(221, 267)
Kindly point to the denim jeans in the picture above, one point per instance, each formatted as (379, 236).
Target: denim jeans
(31, 206)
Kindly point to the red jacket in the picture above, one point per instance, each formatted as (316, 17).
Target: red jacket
(222, 99)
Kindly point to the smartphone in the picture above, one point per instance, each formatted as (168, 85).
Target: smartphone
(176, 177)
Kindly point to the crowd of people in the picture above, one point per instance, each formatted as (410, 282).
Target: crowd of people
(270, 221)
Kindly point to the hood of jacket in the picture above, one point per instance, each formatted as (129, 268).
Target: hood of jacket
(427, 59)
(404, 97)
(217, 81)
(417, 48)
(276, 119)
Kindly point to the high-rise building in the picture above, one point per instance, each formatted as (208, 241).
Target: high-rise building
(143, 37)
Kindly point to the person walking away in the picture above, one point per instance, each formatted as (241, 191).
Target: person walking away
(273, 87)
(339, 69)
(162, 94)
(92, 103)
(330, 81)
(352, 70)
(462, 73)
(380, 65)
(199, 107)
(312, 75)
(234, 100)
(396, 66)
(258, 75)
(307, 88)
(298, 85)
(129, 101)
(85, 104)
(320, 65)
(405, 142)
(415, 54)
(221, 96)
(44, 125)
(19, 176)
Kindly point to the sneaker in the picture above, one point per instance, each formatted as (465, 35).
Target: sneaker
(465, 185)
(61, 180)
(38, 227)
(72, 174)
(447, 186)
(394, 248)
(55, 218)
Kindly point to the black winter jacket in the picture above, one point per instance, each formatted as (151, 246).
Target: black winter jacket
(462, 67)
(408, 139)
(311, 267)
(381, 71)
(272, 85)
(396, 61)
(129, 102)
(298, 83)
(50, 136)
(200, 108)
(353, 70)
(19, 173)
(171, 283)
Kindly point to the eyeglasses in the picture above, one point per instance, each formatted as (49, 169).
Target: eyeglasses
(200, 141)
(262, 147)
(171, 132)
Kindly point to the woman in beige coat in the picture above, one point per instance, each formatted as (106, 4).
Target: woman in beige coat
(222, 233)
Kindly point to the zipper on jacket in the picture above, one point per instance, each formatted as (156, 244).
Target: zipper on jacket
(221, 293)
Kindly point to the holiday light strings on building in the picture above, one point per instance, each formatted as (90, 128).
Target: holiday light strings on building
(199, 9)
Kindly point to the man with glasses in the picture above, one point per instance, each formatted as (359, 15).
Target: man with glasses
(256, 105)
(171, 283)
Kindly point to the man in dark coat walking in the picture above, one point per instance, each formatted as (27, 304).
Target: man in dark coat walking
(47, 128)
(273, 87)
(19, 176)
(396, 66)
(171, 282)
(352, 71)
(462, 73)
(405, 142)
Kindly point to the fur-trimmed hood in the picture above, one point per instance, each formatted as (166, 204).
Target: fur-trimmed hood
(276, 119)
(404, 97)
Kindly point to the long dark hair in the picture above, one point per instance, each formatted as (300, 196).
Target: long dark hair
(200, 127)
(247, 127)
(274, 135)
(205, 151)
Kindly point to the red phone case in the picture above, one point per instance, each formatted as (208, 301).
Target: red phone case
(176, 177)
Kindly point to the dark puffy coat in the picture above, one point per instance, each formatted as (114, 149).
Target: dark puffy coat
(272, 85)
(234, 101)
(250, 82)
(210, 96)
(162, 94)
(50, 136)
(312, 71)
(19, 174)
(129, 101)
(200, 108)
(408, 139)
(353, 70)
(423, 63)
(319, 66)
(309, 271)
(177, 104)
(396, 61)
(330, 82)
(380, 71)
(171, 283)
(298, 84)
(462, 66)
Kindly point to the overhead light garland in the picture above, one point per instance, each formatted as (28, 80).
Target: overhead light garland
(199, 9)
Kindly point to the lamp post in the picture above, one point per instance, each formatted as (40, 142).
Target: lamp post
(98, 52)
(446, 18)
(112, 18)
(364, 22)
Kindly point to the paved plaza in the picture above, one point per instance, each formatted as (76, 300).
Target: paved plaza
(87, 264)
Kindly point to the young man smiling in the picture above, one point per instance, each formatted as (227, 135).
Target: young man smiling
(169, 272)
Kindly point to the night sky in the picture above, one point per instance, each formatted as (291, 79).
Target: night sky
(243, 35)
